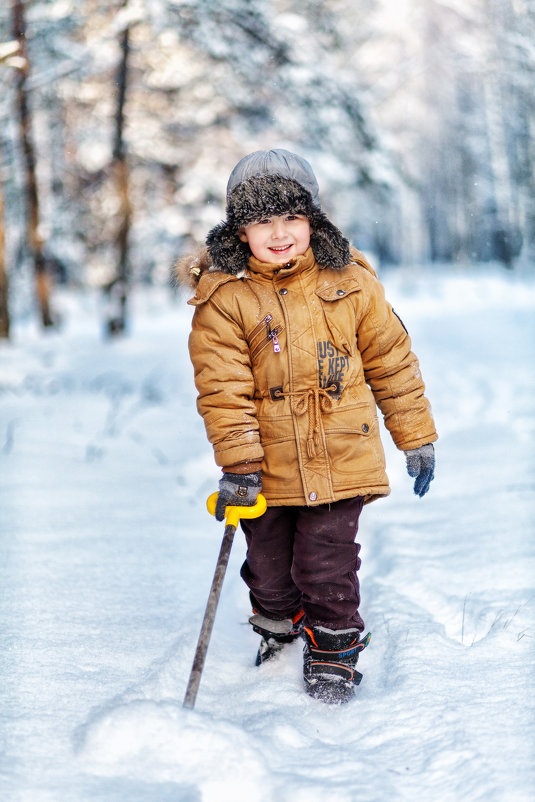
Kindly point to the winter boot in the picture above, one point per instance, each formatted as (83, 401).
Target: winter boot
(275, 634)
(329, 660)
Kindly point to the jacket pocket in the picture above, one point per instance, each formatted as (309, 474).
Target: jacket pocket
(337, 291)
(339, 315)
(353, 444)
(278, 429)
(280, 468)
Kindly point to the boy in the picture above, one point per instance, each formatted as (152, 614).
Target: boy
(293, 346)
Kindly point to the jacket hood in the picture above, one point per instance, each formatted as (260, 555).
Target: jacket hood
(189, 268)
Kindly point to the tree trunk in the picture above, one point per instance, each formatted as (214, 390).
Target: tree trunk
(504, 214)
(118, 289)
(34, 241)
(4, 301)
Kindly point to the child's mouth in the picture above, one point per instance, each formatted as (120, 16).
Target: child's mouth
(280, 248)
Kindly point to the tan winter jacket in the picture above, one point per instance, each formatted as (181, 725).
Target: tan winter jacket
(290, 364)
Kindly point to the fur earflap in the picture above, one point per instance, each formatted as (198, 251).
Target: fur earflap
(226, 249)
(328, 244)
(272, 195)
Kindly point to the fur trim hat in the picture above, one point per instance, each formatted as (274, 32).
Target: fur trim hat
(267, 183)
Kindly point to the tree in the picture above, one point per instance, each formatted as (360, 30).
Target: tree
(118, 288)
(4, 288)
(9, 57)
(34, 239)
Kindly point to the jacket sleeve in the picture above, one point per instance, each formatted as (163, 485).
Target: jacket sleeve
(392, 371)
(225, 385)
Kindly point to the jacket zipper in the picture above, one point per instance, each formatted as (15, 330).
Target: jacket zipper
(272, 335)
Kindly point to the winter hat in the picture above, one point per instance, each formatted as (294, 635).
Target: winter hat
(275, 162)
(273, 183)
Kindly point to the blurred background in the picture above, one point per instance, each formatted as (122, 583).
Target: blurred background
(120, 122)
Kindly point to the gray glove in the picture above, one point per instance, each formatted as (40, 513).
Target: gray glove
(237, 490)
(421, 464)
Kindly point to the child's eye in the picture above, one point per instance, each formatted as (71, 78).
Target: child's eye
(297, 216)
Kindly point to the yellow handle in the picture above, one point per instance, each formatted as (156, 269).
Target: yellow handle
(233, 514)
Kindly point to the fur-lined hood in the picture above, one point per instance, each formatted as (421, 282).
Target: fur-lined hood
(189, 268)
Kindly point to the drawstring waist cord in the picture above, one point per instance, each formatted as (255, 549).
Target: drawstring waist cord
(313, 401)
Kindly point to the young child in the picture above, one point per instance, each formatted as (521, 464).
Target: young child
(294, 346)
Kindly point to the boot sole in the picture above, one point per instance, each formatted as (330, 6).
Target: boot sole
(332, 693)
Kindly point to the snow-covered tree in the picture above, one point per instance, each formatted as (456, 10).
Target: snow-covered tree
(416, 115)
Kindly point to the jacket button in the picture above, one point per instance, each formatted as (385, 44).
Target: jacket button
(340, 292)
(284, 291)
(312, 496)
(365, 427)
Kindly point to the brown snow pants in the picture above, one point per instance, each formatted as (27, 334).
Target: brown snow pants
(306, 558)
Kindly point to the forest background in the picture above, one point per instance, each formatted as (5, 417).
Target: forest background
(120, 122)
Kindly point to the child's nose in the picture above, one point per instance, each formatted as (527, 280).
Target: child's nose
(279, 229)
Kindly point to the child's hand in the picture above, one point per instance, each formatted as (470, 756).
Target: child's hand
(237, 490)
(421, 464)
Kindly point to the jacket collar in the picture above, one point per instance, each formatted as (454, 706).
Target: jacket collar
(264, 270)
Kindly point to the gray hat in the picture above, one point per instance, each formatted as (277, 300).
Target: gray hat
(266, 183)
(275, 162)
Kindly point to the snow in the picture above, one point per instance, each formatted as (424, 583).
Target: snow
(108, 555)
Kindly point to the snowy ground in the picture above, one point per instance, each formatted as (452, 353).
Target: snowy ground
(107, 555)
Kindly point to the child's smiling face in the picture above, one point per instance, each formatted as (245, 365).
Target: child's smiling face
(275, 240)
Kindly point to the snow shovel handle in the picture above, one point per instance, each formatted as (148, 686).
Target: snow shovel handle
(233, 516)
